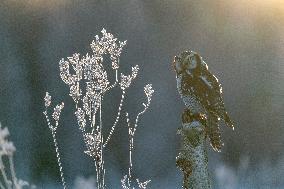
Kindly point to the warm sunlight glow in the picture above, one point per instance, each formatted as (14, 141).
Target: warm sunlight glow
(274, 4)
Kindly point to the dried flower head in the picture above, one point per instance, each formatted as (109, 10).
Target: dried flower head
(47, 100)
(57, 111)
(65, 74)
(135, 70)
(80, 115)
(94, 142)
(75, 93)
(125, 81)
(97, 76)
(107, 44)
(148, 90)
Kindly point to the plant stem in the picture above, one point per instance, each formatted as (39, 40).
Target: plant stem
(13, 173)
(58, 159)
(116, 120)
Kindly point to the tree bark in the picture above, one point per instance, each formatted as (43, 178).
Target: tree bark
(192, 158)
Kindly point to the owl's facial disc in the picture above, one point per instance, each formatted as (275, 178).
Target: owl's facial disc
(191, 61)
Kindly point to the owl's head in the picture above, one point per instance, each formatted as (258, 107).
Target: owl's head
(188, 61)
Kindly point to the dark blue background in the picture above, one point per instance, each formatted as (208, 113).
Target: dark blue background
(241, 41)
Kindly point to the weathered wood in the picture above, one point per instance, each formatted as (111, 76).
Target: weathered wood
(192, 158)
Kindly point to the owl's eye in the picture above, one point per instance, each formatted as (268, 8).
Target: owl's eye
(191, 59)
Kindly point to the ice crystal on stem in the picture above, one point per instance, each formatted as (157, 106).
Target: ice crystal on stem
(53, 128)
(47, 100)
(57, 112)
(148, 90)
(80, 115)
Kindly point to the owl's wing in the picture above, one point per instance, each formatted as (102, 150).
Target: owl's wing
(215, 102)
(215, 107)
(213, 132)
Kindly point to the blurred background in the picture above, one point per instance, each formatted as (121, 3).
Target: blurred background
(241, 41)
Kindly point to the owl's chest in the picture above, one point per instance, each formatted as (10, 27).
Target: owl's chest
(189, 96)
(193, 103)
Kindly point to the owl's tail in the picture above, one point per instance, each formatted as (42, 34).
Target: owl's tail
(228, 120)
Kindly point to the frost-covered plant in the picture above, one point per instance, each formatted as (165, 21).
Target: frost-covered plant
(7, 150)
(88, 84)
(53, 127)
(126, 181)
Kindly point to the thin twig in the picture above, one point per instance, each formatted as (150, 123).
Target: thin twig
(58, 159)
(13, 173)
(116, 120)
(139, 114)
